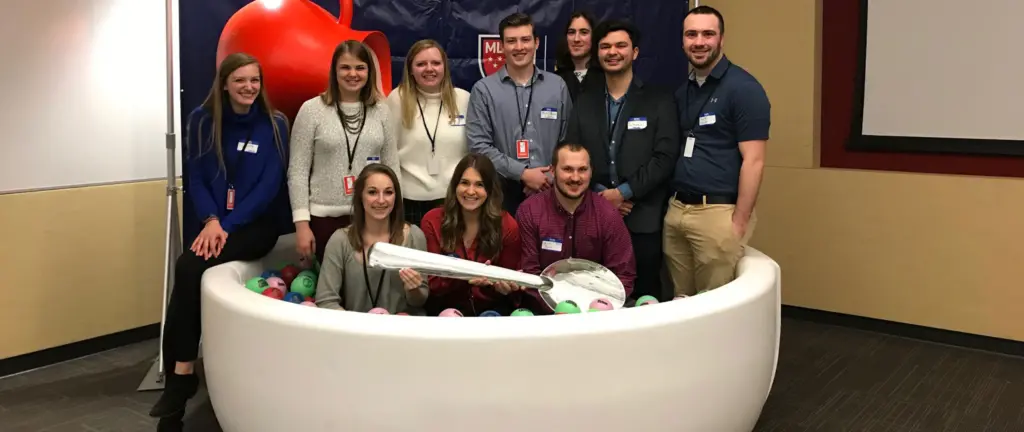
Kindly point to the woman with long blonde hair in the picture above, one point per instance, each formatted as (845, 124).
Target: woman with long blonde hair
(336, 135)
(430, 118)
(234, 160)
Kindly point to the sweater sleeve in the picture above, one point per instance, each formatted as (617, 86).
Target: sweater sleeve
(389, 151)
(332, 273)
(301, 160)
(418, 242)
(618, 247)
(198, 189)
(265, 192)
(431, 226)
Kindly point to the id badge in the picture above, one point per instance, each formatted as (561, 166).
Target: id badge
(231, 199)
(350, 184)
(688, 148)
(523, 149)
(372, 159)
(433, 166)
(551, 244)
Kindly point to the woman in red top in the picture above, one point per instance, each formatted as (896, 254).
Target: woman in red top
(472, 225)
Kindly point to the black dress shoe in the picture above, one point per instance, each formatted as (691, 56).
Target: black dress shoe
(178, 390)
(173, 423)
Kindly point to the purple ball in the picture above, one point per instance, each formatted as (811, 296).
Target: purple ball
(379, 311)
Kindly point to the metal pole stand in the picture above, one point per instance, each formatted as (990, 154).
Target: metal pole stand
(154, 379)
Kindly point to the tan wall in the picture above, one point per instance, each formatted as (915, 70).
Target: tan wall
(934, 250)
(79, 263)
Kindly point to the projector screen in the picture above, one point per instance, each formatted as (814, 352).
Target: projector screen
(944, 69)
(84, 87)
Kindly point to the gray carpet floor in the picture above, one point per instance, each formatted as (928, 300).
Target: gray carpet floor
(829, 379)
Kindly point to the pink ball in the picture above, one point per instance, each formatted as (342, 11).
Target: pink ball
(450, 312)
(379, 311)
(601, 304)
(278, 284)
(308, 303)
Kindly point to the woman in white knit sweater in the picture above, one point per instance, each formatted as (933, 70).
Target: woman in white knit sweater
(335, 135)
(429, 114)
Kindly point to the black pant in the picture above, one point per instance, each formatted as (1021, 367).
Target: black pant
(183, 326)
(415, 210)
(513, 195)
(648, 254)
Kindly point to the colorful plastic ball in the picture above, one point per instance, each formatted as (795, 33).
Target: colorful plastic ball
(402, 313)
(379, 311)
(601, 305)
(450, 312)
(273, 293)
(646, 300)
(288, 273)
(257, 285)
(305, 285)
(293, 297)
(312, 274)
(277, 283)
(270, 274)
(567, 307)
(308, 303)
(522, 312)
(490, 313)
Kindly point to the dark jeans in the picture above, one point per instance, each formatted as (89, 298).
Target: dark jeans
(513, 195)
(323, 228)
(415, 210)
(648, 254)
(183, 329)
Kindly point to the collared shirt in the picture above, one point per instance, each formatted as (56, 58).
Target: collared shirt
(728, 108)
(595, 232)
(494, 122)
(612, 108)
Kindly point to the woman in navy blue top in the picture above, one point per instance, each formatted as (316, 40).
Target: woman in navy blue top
(235, 162)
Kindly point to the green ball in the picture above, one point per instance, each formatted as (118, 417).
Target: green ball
(304, 284)
(312, 274)
(567, 307)
(257, 285)
(522, 312)
(646, 300)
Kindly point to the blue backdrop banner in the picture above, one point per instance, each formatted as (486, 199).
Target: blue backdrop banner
(467, 29)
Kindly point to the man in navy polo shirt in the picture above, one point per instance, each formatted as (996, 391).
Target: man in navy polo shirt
(724, 119)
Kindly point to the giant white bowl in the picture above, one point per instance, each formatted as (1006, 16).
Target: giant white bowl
(702, 364)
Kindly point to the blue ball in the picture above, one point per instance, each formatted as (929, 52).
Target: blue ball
(270, 273)
(490, 313)
(294, 297)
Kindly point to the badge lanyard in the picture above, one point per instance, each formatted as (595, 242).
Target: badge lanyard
(366, 277)
(351, 151)
(431, 137)
(523, 120)
(231, 167)
(714, 91)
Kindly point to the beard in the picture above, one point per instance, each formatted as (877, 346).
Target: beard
(713, 53)
(563, 190)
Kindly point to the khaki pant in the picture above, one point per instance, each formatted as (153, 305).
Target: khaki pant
(701, 247)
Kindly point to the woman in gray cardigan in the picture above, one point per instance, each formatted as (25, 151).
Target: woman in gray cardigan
(346, 283)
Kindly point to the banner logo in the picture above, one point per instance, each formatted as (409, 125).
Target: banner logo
(491, 57)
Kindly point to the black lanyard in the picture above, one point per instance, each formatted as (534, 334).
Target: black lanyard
(366, 277)
(714, 90)
(523, 120)
(430, 136)
(350, 150)
(231, 166)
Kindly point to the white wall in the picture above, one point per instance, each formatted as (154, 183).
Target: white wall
(84, 93)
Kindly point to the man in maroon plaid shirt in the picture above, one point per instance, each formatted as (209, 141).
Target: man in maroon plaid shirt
(571, 221)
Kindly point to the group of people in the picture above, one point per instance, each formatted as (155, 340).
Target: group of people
(527, 168)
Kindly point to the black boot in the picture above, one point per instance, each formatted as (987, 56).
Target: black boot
(174, 423)
(177, 391)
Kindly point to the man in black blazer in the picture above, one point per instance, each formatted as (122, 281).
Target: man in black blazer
(632, 134)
